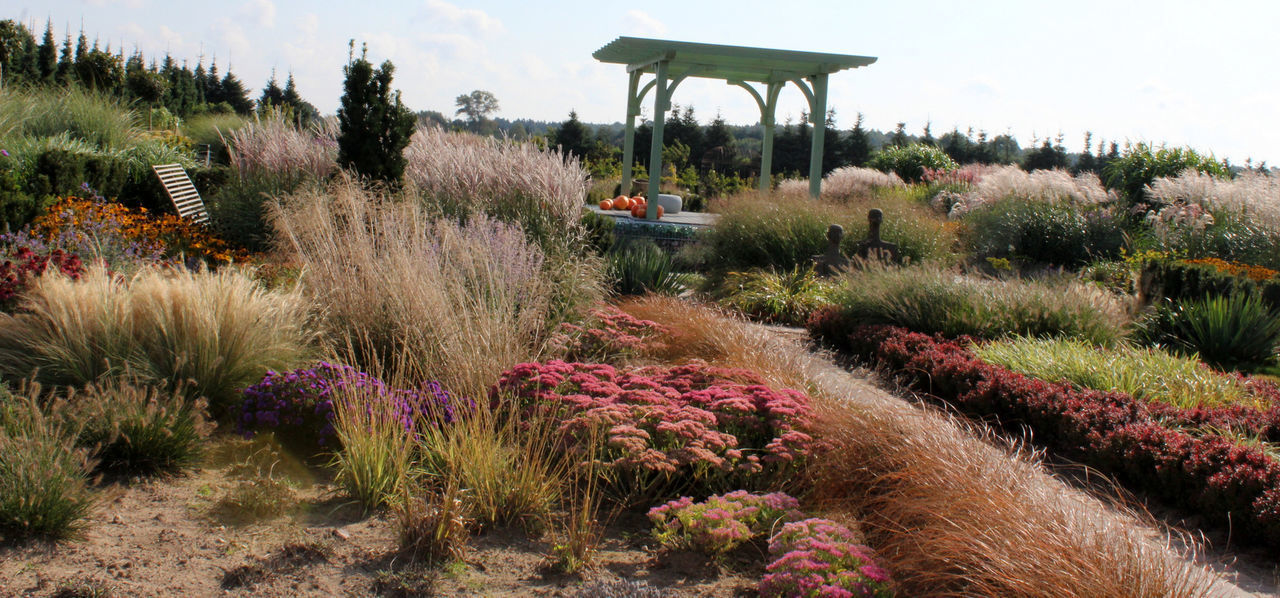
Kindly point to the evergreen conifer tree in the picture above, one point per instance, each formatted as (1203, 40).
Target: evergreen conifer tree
(374, 127)
(48, 59)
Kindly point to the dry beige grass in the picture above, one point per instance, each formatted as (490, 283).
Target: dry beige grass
(458, 304)
(215, 332)
(950, 514)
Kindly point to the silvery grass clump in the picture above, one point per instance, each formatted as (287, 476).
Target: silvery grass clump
(540, 191)
(1254, 195)
(1046, 186)
(844, 183)
(273, 145)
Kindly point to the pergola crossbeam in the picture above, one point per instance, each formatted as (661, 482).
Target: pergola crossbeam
(671, 62)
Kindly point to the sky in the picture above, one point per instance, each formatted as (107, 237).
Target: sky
(1179, 72)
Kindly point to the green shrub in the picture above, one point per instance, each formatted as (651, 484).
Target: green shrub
(43, 476)
(932, 300)
(1175, 279)
(1141, 165)
(137, 429)
(599, 231)
(782, 232)
(640, 267)
(1043, 232)
(1148, 374)
(787, 297)
(1224, 233)
(910, 161)
(1233, 332)
(239, 209)
(62, 172)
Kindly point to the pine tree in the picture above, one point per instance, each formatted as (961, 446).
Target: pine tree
(48, 59)
(928, 134)
(374, 126)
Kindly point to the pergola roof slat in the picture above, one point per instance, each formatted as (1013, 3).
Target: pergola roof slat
(739, 62)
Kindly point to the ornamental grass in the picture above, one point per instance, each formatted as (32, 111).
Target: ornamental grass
(438, 300)
(947, 512)
(210, 333)
(1151, 374)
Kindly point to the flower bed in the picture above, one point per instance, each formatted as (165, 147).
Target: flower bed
(298, 405)
(26, 259)
(689, 428)
(113, 232)
(1180, 455)
(810, 557)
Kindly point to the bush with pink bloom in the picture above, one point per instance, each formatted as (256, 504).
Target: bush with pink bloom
(722, 523)
(667, 431)
(610, 334)
(819, 557)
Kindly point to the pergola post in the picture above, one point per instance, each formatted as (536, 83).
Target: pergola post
(818, 115)
(660, 104)
(629, 137)
(768, 121)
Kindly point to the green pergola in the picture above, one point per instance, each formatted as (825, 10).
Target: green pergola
(672, 62)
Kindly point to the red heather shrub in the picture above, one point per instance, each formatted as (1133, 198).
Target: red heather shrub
(610, 334)
(1217, 476)
(690, 429)
(819, 557)
(722, 523)
(24, 265)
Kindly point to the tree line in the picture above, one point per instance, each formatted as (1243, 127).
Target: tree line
(168, 84)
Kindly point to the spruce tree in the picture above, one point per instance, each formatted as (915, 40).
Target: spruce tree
(303, 112)
(48, 59)
(573, 137)
(66, 68)
(374, 127)
(235, 94)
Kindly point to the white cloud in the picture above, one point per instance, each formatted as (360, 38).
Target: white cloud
(261, 11)
(638, 22)
(234, 38)
(474, 19)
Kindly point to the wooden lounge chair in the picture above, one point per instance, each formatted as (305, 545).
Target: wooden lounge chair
(182, 192)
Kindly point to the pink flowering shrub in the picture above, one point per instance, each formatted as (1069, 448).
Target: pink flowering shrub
(609, 334)
(687, 429)
(818, 557)
(722, 523)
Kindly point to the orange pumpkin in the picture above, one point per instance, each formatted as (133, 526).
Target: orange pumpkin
(637, 212)
(619, 197)
(638, 198)
(660, 211)
(606, 204)
(622, 203)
